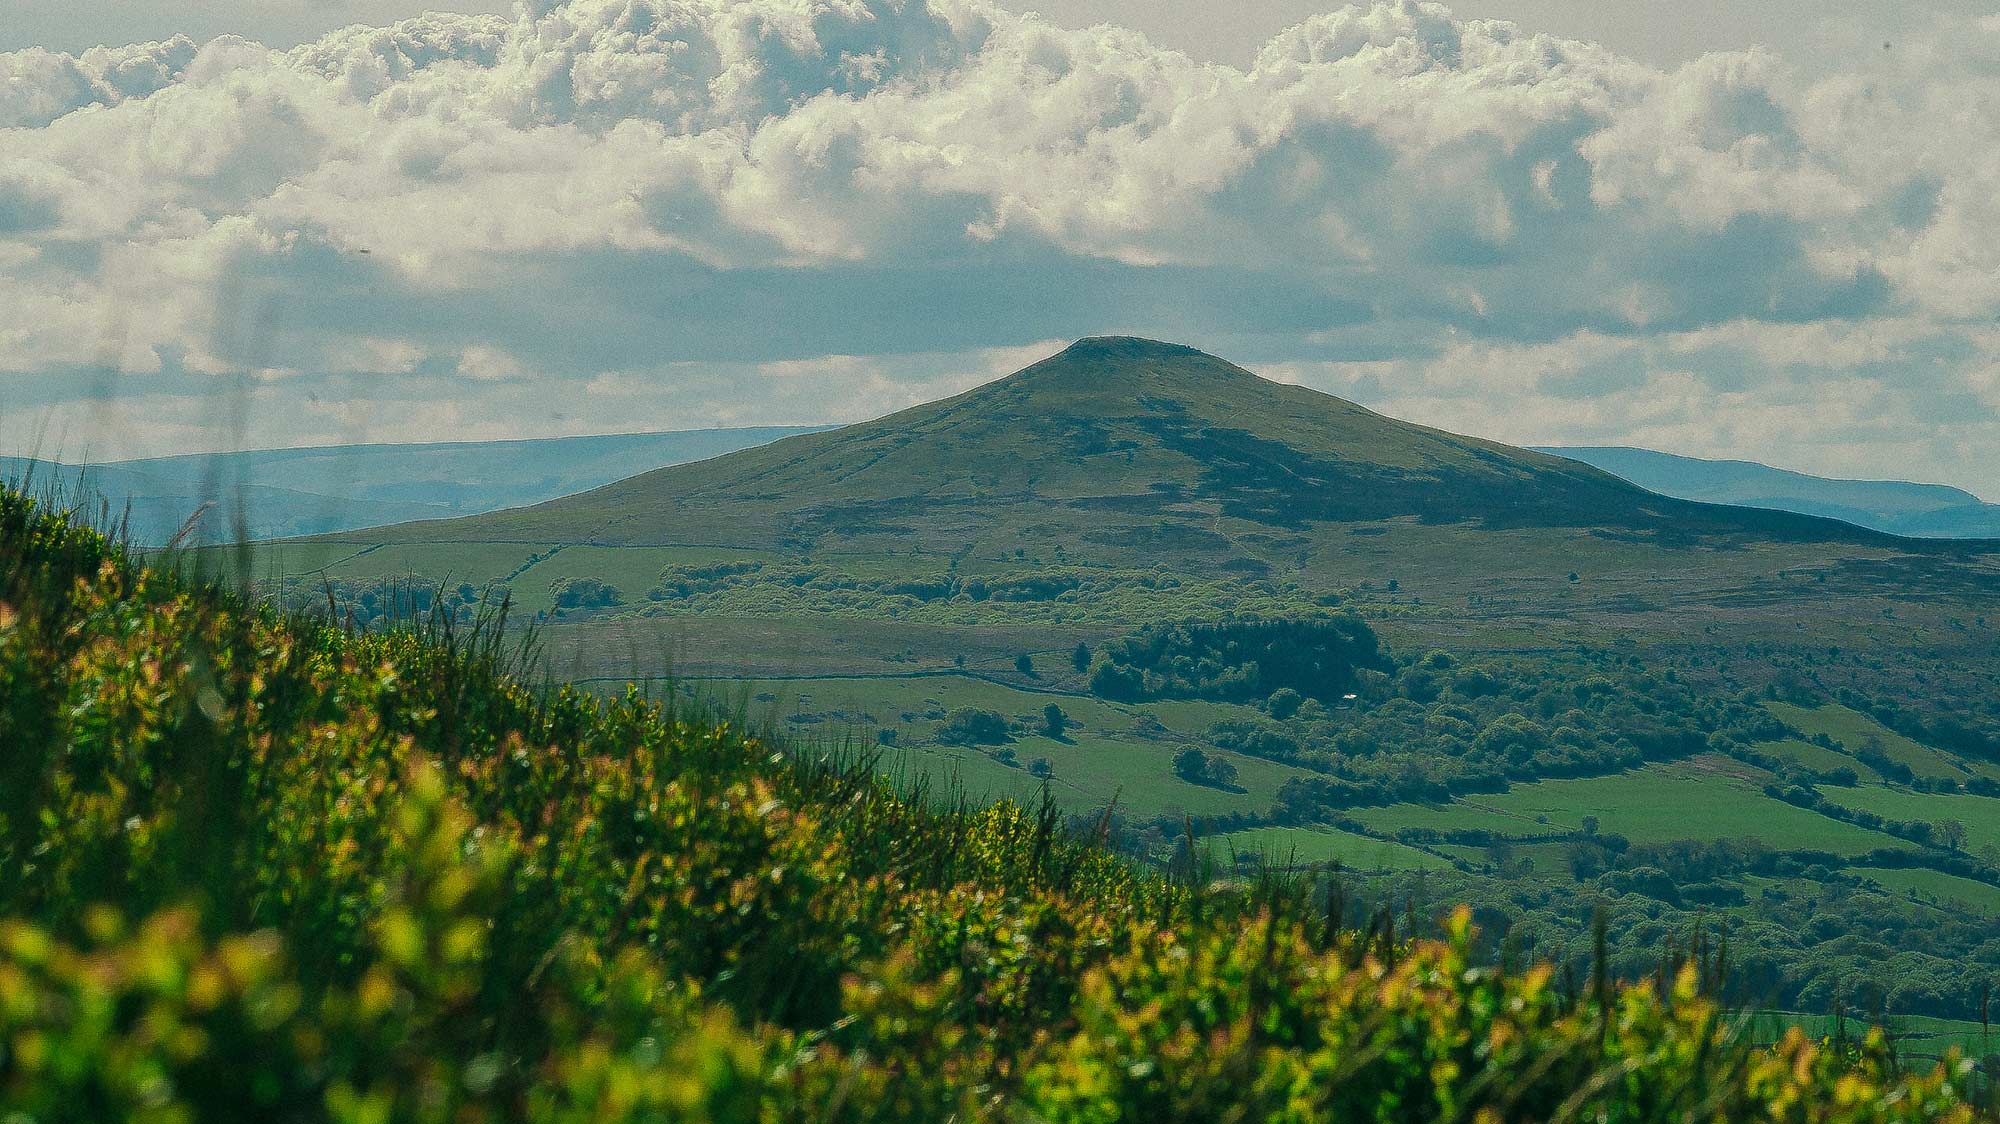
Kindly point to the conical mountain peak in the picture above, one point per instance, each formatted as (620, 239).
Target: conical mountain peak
(1122, 448)
(1108, 368)
(1128, 348)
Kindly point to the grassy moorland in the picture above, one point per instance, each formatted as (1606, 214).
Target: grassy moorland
(255, 866)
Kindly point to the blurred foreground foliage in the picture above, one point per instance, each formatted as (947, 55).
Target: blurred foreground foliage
(255, 867)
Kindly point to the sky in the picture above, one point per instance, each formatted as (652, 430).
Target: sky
(1713, 228)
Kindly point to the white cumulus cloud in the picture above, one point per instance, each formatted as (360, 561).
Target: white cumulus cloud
(1512, 233)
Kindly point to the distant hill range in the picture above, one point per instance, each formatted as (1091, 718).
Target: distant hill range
(1113, 431)
(1899, 508)
(287, 492)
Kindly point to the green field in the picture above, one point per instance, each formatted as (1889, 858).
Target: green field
(1979, 814)
(1300, 846)
(1110, 749)
(1855, 730)
(1534, 860)
(448, 563)
(631, 570)
(1816, 757)
(272, 562)
(1708, 798)
(1935, 885)
(1918, 1037)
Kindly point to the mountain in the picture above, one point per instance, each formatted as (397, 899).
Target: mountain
(280, 493)
(1119, 445)
(1893, 506)
(1139, 578)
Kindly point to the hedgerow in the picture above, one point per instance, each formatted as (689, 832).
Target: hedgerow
(256, 867)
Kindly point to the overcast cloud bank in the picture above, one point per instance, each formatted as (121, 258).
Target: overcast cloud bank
(617, 214)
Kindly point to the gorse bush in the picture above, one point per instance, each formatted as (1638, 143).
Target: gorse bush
(254, 867)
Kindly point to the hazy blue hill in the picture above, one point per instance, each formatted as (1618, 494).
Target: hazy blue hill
(1894, 506)
(155, 507)
(288, 492)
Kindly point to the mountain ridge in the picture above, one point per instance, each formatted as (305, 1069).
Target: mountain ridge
(1896, 507)
(281, 493)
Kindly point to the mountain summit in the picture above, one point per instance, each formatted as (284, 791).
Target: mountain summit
(1119, 448)
(1099, 348)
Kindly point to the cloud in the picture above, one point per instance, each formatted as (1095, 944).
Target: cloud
(38, 86)
(456, 207)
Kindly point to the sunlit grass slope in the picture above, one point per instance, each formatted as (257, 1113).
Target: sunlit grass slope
(255, 868)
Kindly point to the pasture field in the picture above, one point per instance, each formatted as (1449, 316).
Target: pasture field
(447, 563)
(269, 562)
(610, 650)
(632, 570)
(1459, 815)
(1109, 749)
(1816, 757)
(1979, 814)
(1935, 885)
(1708, 798)
(1083, 769)
(1534, 860)
(888, 698)
(1921, 1038)
(1854, 730)
(1301, 846)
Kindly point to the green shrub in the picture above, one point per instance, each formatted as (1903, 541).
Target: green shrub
(971, 725)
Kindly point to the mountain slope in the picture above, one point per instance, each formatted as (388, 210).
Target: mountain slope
(1893, 506)
(281, 493)
(1117, 445)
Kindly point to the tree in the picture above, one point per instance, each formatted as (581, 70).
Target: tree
(1952, 832)
(1054, 721)
(1284, 703)
(1040, 767)
(1586, 861)
(1191, 765)
(1221, 772)
(1080, 658)
(971, 725)
(1025, 664)
(583, 593)
(1196, 767)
